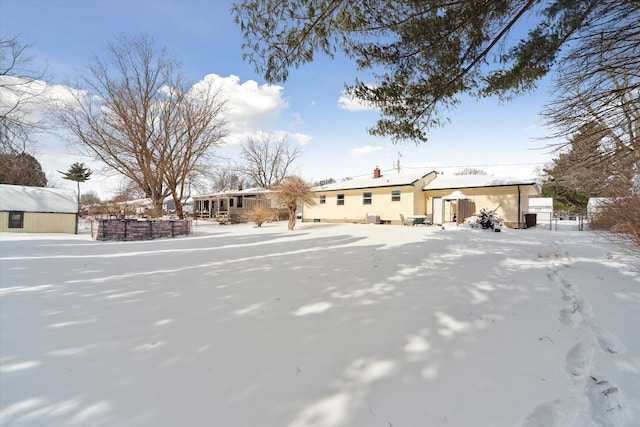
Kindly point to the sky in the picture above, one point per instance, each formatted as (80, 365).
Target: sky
(371, 326)
(504, 139)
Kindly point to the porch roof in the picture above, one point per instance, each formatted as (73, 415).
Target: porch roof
(234, 193)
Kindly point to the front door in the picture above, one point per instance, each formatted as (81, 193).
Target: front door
(437, 211)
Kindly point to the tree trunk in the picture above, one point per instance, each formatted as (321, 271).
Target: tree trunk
(157, 207)
(177, 203)
(292, 218)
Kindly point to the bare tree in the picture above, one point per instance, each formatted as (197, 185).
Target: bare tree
(599, 97)
(226, 179)
(267, 160)
(21, 86)
(89, 197)
(142, 120)
(294, 192)
(471, 171)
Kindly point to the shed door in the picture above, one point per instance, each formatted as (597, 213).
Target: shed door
(437, 211)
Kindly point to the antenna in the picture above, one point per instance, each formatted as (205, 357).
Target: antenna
(396, 164)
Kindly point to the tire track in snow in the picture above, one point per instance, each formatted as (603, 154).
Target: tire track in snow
(597, 401)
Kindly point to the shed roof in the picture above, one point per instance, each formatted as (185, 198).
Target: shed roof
(37, 199)
(446, 182)
(386, 180)
(540, 202)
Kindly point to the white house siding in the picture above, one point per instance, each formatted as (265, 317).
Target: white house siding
(542, 207)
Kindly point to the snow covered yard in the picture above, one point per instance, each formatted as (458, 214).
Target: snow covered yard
(325, 326)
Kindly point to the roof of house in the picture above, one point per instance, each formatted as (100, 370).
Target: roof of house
(540, 202)
(446, 182)
(598, 201)
(387, 180)
(37, 199)
(243, 192)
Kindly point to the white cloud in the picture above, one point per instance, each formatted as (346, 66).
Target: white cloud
(300, 138)
(296, 120)
(240, 138)
(366, 150)
(250, 107)
(350, 103)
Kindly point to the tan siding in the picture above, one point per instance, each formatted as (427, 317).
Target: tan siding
(354, 210)
(412, 202)
(505, 199)
(41, 223)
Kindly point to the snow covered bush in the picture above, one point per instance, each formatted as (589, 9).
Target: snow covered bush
(260, 214)
(485, 219)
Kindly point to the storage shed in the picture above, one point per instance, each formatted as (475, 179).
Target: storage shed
(542, 207)
(38, 210)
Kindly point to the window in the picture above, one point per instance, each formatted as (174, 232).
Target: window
(323, 199)
(16, 219)
(366, 198)
(395, 195)
(230, 203)
(340, 199)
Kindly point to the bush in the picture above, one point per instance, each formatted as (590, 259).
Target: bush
(260, 214)
(485, 219)
(621, 215)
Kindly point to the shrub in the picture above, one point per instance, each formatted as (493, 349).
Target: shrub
(485, 219)
(620, 215)
(260, 214)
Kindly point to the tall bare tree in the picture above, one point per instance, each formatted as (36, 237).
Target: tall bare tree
(598, 91)
(267, 160)
(225, 179)
(142, 120)
(21, 86)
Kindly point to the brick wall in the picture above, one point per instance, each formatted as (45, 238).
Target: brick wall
(116, 229)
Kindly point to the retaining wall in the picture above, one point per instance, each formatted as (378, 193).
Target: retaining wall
(117, 229)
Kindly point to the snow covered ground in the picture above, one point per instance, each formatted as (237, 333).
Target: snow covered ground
(325, 326)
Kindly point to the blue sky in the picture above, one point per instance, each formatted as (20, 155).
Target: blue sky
(333, 140)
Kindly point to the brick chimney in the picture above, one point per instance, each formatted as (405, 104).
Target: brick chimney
(376, 172)
(239, 187)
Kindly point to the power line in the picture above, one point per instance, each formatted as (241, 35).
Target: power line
(449, 167)
(473, 166)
